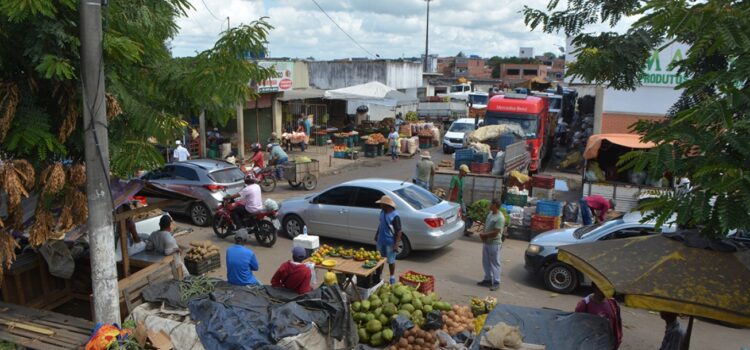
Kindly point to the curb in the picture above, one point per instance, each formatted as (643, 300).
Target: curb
(351, 166)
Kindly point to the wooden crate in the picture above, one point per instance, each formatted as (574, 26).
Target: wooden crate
(204, 266)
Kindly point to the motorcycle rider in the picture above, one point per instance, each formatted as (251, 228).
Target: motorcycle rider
(257, 160)
(251, 196)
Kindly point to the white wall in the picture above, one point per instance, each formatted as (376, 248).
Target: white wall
(403, 75)
(646, 100)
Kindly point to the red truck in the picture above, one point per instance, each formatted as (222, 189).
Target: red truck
(531, 113)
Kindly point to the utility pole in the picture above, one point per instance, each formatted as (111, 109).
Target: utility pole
(96, 142)
(427, 36)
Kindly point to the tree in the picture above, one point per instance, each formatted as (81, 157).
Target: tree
(704, 136)
(148, 95)
(550, 55)
(460, 54)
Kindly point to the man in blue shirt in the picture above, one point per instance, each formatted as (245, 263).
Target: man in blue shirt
(388, 235)
(277, 157)
(241, 263)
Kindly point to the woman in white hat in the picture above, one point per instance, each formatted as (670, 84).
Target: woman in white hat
(388, 235)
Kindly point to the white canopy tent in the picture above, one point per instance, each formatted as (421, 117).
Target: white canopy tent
(382, 100)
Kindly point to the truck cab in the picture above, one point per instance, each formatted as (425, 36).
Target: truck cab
(458, 91)
(478, 104)
(531, 113)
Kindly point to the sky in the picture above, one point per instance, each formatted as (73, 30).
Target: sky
(389, 28)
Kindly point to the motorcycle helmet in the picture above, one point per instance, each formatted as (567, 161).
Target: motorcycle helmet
(250, 179)
(256, 147)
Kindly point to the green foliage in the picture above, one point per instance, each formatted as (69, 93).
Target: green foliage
(53, 67)
(704, 136)
(31, 137)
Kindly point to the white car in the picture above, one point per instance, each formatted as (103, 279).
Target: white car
(348, 212)
(454, 137)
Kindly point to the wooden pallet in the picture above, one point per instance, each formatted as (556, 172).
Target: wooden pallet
(44, 330)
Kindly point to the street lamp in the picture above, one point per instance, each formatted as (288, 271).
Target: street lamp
(427, 36)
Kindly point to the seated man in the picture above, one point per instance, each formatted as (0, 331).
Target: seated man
(251, 196)
(277, 157)
(241, 263)
(163, 242)
(293, 274)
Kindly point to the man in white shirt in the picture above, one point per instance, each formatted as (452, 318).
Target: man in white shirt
(180, 153)
(252, 198)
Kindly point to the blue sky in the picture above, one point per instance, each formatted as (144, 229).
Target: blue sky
(390, 28)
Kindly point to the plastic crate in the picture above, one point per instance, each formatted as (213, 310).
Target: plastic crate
(458, 163)
(381, 149)
(481, 157)
(541, 223)
(549, 208)
(518, 200)
(424, 287)
(505, 140)
(543, 193)
(543, 181)
(341, 155)
(480, 168)
(371, 280)
(371, 151)
(204, 266)
(465, 154)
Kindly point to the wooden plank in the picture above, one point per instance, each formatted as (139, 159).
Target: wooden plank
(32, 343)
(27, 313)
(133, 212)
(126, 282)
(54, 341)
(351, 266)
(124, 248)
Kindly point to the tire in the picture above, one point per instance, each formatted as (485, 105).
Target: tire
(266, 234)
(268, 184)
(446, 149)
(310, 182)
(220, 226)
(294, 184)
(199, 214)
(560, 278)
(404, 248)
(292, 225)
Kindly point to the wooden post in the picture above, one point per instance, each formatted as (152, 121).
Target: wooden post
(124, 248)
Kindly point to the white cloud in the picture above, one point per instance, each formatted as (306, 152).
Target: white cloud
(390, 28)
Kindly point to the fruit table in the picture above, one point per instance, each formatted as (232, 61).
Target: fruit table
(350, 268)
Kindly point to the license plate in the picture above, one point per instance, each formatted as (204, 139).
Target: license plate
(276, 223)
(451, 219)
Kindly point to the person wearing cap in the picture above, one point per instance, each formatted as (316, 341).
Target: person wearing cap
(456, 194)
(251, 196)
(277, 157)
(180, 153)
(274, 138)
(241, 262)
(294, 274)
(162, 241)
(388, 235)
(425, 170)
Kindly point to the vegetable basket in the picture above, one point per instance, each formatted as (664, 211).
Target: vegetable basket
(423, 287)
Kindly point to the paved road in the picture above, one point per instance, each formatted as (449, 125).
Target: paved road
(458, 266)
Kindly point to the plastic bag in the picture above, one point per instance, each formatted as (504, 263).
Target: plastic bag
(433, 320)
(400, 325)
(570, 212)
(270, 205)
(498, 166)
(59, 260)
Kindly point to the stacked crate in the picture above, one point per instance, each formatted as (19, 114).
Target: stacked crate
(543, 187)
(463, 156)
(548, 216)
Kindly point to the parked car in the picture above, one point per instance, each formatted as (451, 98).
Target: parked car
(208, 180)
(454, 137)
(559, 277)
(348, 211)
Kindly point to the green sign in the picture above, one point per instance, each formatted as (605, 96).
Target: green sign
(660, 70)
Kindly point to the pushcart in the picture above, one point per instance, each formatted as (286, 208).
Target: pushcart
(304, 174)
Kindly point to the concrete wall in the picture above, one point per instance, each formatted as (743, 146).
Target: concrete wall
(300, 75)
(330, 75)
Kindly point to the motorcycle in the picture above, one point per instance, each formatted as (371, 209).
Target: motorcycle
(266, 176)
(263, 225)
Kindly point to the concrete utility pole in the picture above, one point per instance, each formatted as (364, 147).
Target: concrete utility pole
(427, 37)
(101, 233)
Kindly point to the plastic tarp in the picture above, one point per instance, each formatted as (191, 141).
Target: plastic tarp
(491, 132)
(373, 92)
(559, 330)
(625, 140)
(249, 317)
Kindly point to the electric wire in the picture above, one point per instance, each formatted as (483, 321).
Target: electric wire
(342, 30)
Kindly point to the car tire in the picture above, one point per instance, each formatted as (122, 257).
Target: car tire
(560, 278)
(199, 214)
(405, 248)
(292, 225)
(446, 149)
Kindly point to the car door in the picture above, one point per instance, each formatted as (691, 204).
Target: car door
(364, 215)
(328, 214)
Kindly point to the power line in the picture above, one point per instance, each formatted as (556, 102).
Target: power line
(342, 30)
(209, 11)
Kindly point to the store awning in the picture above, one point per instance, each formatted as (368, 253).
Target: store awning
(373, 92)
(301, 94)
(625, 140)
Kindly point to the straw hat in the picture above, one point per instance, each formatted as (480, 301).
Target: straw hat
(425, 154)
(387, 201)
(464, 168)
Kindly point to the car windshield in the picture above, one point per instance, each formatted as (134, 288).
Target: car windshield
(555, 103)
(227, 175)
(528, 122)
(457, 88)
(586, 231)
(417, 197)
(478, 99)
(461, 127)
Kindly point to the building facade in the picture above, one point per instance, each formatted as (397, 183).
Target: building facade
(513, 73)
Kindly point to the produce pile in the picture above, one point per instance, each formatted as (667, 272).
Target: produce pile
(196, 286)
(373, 316)
(415, 277)
(360, 255)
(375, 139)
(478, 211)
(341, 148)
(417, 339)
(425, 133)
(482, 306)
(458, 319)
(201, 250)
(440, 192)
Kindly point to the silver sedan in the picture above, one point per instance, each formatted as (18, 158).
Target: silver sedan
(348, 212)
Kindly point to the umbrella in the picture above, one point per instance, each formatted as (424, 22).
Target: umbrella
(680, 272)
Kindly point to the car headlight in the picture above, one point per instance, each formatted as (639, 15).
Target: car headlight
(445, 140)
(534, 249)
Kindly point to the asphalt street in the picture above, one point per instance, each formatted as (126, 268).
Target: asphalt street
(458, 267)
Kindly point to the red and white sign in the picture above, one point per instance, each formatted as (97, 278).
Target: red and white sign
(282, 81)
(285, 84)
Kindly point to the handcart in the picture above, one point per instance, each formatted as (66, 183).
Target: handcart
(305, 174)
